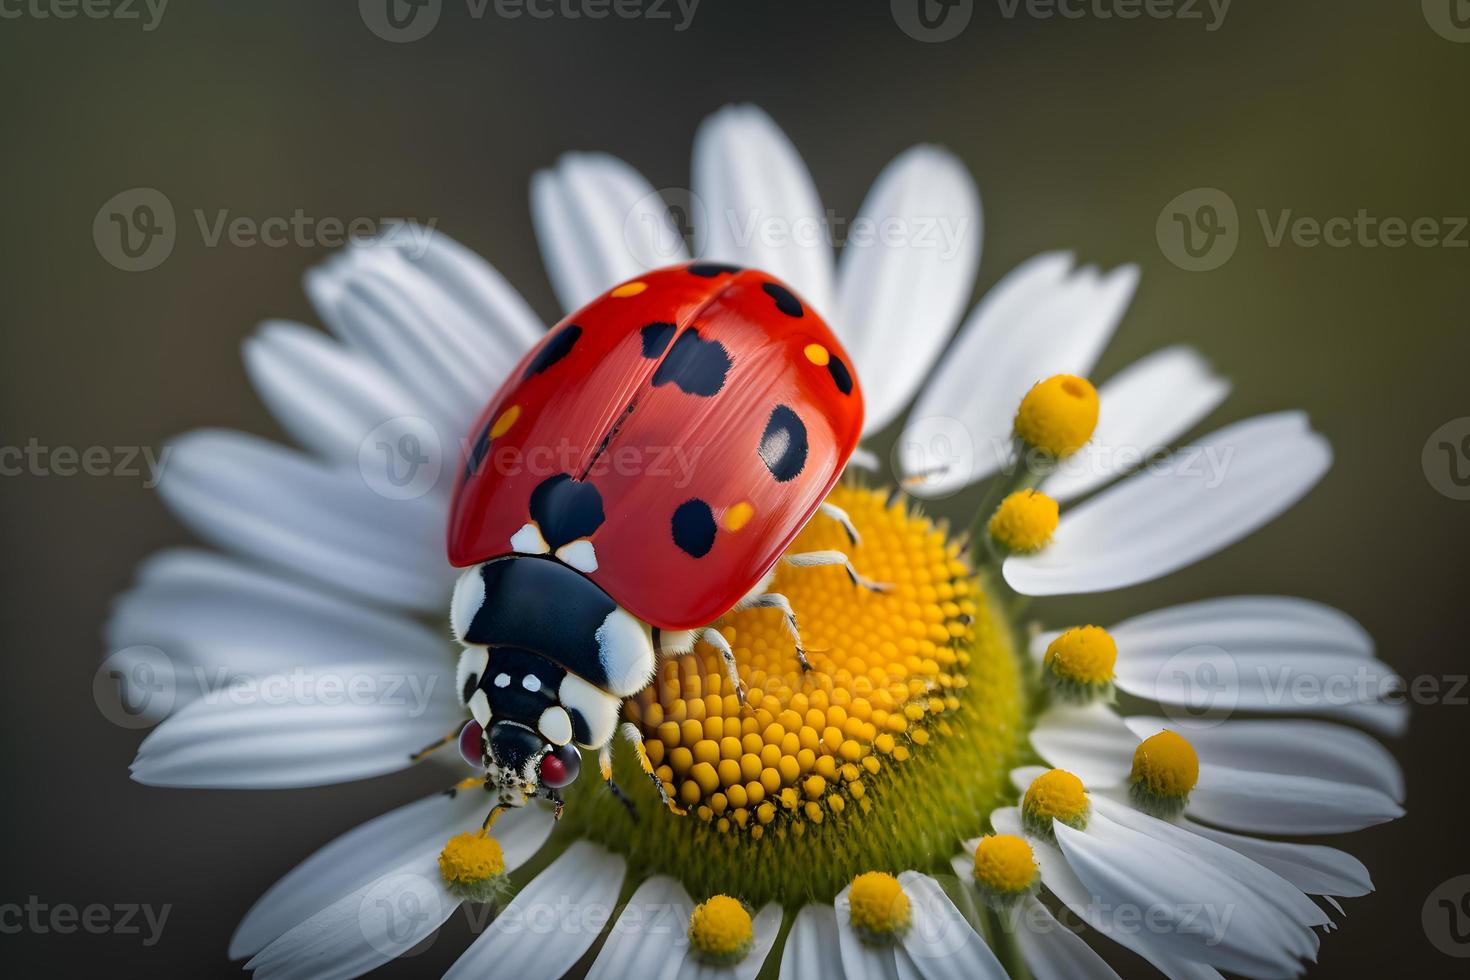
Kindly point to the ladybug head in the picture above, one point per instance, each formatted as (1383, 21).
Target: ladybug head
(519, 763)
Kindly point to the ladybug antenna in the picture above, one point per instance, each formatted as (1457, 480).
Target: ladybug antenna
(493, 815)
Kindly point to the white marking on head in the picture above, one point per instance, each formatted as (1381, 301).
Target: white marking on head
(502, 680)
(472, 663)
(531, 683)
(528, 541)
(580, 555)
(598, 708)
(469, 596)
(555, 725)
(625, 648)
(480, 708)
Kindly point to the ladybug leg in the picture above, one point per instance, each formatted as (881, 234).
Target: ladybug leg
(717, 640)
(438, 743)
(630, 732)
(775, 600)
(840, 516)
(604, 765)
(811, 559)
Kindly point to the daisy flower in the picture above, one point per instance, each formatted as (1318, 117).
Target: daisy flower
(882, 814)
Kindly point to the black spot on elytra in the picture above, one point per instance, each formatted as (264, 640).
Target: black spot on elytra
(840, 374)
(785, 301)
(656, 337)
(694, 527)
(478, 451)
(558, 346)
(565, 509)
(709, 270)
(697, 366)
(783, 445)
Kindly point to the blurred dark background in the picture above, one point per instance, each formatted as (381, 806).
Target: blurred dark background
(1079, 132)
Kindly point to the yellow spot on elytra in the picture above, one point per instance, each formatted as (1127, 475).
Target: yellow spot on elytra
(736, 517)
(505, 421)
(629, 289)
(817, 354)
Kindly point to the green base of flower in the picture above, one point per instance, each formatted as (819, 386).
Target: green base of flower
(486, 890)
(999, 901)
(1070, 691)
(910, 814)
(1164, 807)
(721, 959)
(1043, 826)
(888, 937)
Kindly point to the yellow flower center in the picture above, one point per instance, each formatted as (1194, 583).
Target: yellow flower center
(893, 747)
(877, 906)
(1024, 521)
(1165, 769)
(1005, 868)
(1054, 795)
(1058, 415)
(473, 865)
(1079, 663)
(720, 930)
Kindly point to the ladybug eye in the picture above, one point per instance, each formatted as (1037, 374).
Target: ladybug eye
(560, 766)
(471, 743)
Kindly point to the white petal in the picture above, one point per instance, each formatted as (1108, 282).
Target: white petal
(598, 223)
(1199, 911)
(759, 205)
(1288, 900)
(1141, 411)
(812, 947)
(577, 892)
(278, 506)
(327, 395)
(860, 961)
(1041, 319)
(218, 619)
(1257, 653)
(940, 942)
(1270, 803)
(1241, 477)
(450, 344)
(1054, 952)
(1090, 742)
(306, 728)
(648, 934)
(378, 922)
(906, 272)
(1315, 869)
(1293, 748)
(366, 852)
(1062, 882)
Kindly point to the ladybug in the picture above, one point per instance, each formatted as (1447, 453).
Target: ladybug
(639, 474)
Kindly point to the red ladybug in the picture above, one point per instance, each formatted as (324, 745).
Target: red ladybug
(638, 475)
